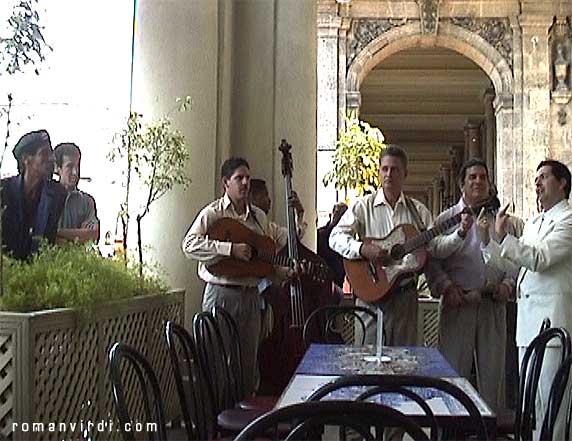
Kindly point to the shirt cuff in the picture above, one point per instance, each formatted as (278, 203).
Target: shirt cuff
(355, 247)
(224, 248)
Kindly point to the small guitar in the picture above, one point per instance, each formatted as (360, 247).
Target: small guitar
(371, 281)
(264, 255)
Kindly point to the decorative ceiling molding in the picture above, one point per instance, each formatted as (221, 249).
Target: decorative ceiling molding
(496, 31)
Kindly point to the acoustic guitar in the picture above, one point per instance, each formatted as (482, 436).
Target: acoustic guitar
(264, 254)
(371, 281)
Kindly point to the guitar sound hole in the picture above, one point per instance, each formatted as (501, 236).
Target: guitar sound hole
(397, 252)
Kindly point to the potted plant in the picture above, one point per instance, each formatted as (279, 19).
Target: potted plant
(156, 154)
(355, 163)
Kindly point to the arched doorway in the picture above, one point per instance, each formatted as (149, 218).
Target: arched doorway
(437, 104)
(386, 38)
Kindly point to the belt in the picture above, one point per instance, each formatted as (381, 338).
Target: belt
(231, 286)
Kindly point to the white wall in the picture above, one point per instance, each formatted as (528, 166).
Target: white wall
(176, 55)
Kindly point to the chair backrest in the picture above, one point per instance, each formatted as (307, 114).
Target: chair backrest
(328, 324)
(214, 361)
(309, 418)
(530, 369)
(555, 400)
(231, 339)
(148, 390)
(393, 383)
(190, 382)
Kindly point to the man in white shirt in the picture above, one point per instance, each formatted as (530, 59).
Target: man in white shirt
(375, 216)
(544, 283)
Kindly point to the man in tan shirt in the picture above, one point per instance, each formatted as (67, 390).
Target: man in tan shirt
(239, 295)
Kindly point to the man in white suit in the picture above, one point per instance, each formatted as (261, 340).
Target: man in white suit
(543, 254)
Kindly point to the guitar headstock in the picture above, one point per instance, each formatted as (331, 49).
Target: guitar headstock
(491, 205)
(287, 163)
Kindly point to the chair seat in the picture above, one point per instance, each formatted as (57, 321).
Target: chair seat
(260, 402)
(234, 420)
(506, 421)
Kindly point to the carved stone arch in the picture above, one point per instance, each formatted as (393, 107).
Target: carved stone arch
(465, 42)
(450, 36)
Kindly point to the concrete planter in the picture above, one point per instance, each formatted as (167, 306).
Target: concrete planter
(53, 366)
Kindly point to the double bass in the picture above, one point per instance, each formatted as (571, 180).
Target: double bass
(280, 353)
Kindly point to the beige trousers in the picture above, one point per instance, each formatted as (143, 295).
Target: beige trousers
(477, 331)
(244, 306)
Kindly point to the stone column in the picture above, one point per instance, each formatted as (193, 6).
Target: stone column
(472, 140)
(536, 105)
(437, 203)
(329, 24)
(448, 186)
(490, 132)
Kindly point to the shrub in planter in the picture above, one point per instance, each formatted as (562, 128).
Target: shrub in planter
(68, 276)
(53, 362)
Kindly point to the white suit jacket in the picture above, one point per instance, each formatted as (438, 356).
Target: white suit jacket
(544, 283)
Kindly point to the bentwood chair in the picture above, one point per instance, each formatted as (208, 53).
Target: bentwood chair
(213, 359)
(231, 339)
(189, 381)
(329, 324)
(126, 363)
(559, 396)
(307, 421)
(531, 367)
(396, 384)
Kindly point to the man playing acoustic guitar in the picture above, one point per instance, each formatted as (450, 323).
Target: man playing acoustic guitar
(238, 295)
(375, 216)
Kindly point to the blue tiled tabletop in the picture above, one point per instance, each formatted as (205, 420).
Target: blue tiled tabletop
(346, 360)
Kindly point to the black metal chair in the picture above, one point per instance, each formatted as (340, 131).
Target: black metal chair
(396, 383)
(556, 400)
(327, 323)
(214, 362)
(231, 339)
(309, 418)
(189, 380)
(531, 366)
(148, 391)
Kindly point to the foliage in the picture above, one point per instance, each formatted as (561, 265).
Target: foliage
(156, 153)
(24, 42)
(70, 276)
(356, 157)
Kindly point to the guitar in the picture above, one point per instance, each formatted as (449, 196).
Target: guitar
(371, 281)
(264, 255)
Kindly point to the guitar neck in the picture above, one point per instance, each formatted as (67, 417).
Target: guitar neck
(274, 259)
(426, 236)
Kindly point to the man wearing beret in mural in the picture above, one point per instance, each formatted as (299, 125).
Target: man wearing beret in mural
(32, 201)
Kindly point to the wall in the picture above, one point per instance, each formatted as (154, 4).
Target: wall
(176, 55)
(274, 95)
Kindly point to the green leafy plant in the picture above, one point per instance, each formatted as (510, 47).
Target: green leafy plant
(22, 41)
(157, 155)
(356, 157)
(70, 276)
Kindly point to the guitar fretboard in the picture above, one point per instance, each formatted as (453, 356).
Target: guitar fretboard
(428, 235)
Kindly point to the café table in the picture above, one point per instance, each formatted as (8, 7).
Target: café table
(324, 363)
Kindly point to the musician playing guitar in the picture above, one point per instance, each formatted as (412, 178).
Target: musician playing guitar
(238, 295)
(375, 216)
